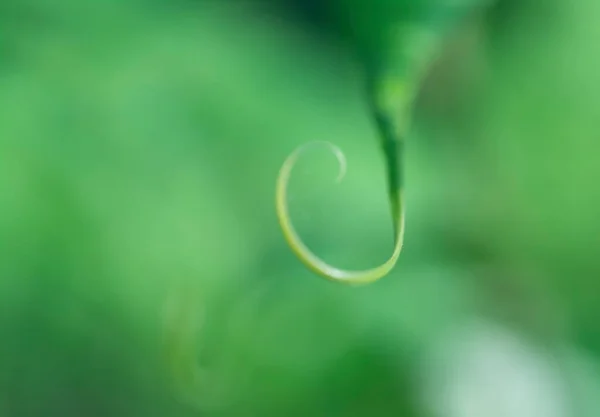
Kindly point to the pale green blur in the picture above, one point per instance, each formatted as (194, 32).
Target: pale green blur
(139, 147)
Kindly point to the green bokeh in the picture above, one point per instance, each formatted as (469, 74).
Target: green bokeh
(139, 147)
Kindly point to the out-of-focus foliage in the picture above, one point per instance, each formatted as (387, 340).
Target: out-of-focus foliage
(139, 145)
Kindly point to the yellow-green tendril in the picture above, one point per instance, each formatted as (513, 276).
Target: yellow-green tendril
(312, 261)
(387, 97)
(391, 95)
(182, 324)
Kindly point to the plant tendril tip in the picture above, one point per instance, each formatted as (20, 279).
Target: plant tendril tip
(304, 254)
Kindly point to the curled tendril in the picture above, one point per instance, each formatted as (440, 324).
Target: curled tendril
(206, 387)
(310, 259)
(391, 96)
(182, 322)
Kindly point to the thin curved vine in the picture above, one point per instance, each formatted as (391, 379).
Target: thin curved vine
(390, 98)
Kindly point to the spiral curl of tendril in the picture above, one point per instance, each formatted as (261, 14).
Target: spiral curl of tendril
(391, 97)
(309, 258)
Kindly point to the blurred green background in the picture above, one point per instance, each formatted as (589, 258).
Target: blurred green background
(139, 146)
